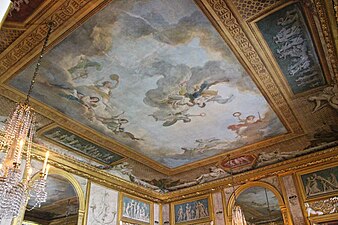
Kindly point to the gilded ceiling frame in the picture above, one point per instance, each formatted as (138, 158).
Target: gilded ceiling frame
(69, 14)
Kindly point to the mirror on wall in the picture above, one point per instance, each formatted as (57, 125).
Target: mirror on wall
(61, 208)
(260, 206)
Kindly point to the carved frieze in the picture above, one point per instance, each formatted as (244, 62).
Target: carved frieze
(322, 207)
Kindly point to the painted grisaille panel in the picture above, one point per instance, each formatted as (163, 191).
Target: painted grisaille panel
(80, 145)
(289, 39)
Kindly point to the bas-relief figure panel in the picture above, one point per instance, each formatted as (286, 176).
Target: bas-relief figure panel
(320, 182)
(78, 144)
(136, 210)
(288, 37)
(153, 75)
(192, 211)
(103, 206)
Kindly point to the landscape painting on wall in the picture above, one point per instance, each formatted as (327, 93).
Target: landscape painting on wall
(320, 182)
(289, 39)
(197, 210)
(152, 75)
(135, 210)
(73, 142)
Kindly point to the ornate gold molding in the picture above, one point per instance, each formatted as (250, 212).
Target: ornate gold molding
(331, 49)
(324, 206)
(239, 39)
(249, 8)
(93, 174)
(62, 13)
(282, 168)
(26, 46)
(240, 189)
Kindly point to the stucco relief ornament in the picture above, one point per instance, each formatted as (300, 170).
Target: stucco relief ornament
(101, 213)
(329, 96)
(322, 207)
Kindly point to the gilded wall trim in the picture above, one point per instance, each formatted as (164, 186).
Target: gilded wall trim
(282, 168)
(93, 174)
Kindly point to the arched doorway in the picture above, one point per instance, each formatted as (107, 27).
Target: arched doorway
(65, 202)
(261, 204)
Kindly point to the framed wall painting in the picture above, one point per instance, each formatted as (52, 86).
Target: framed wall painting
(197, 210)
(73, 142)
(134, 210)
(288, 36)
(318, 182)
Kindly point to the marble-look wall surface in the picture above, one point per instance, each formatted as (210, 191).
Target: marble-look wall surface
(293, 200)
(219, 212)
(156, 214)
(102, 206)
(166, 214)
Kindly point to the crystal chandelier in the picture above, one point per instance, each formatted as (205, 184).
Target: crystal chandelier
(238, 217)
(18, 135)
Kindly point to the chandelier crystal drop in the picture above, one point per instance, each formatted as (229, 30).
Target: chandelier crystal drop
(15, 172)
(238, 216)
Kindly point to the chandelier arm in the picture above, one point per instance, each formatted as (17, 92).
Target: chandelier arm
(50, 26)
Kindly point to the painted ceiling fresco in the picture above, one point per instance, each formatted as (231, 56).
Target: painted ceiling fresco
(157, 77)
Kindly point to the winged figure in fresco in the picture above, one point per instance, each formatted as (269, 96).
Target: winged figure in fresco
(200, 95)
(172, 117)
(175, 106)
(80, 69)
(95, 100)
(209, 144)
(244, 124)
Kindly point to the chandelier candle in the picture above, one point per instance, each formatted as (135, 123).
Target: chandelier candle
(17, 138)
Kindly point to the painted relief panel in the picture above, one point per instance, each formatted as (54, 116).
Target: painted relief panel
(153, 75)
(288, 37)
(74, 142)
(103, 207)
(136, 210)
(197, 210)
(322, 207)
(320, 182)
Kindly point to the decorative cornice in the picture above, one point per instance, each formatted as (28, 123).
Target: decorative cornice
(331, 49)
(242, 43)
(282, 168)
(93, 174)
(36, 35)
